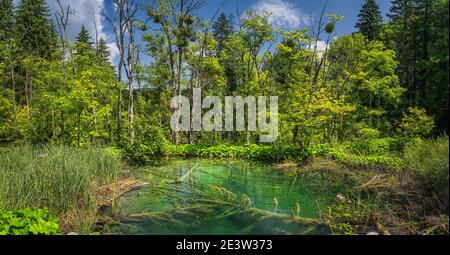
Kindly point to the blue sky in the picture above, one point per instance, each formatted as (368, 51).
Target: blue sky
(287, 13)
(293, 11)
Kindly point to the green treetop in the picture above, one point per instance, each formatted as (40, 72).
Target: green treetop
(36, 32)
(222, 29)
(83, 40)
(103, 53)
(370, 20)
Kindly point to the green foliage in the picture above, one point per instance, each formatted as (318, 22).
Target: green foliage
(222, 30)
(344, 154)
(419, 35)
(416, 123)
(251, 151)
(341, 219)
(370, 20)
(62, 179)
(151, 146)
(6, 19)
(35, 30)
(103, 53)
(330, 28)
(28, 222)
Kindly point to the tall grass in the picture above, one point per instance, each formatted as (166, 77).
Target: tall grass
(60, 178)
(431, 160)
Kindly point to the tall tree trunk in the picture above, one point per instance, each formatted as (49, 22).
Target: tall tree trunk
(13, 81)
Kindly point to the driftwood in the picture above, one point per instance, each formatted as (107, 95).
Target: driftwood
(378, 181)
(185, 176)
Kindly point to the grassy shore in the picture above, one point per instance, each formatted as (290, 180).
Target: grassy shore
(62, 179)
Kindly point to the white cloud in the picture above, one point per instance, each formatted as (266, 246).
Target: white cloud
(320, 47)
(284, 13)
(86, 11)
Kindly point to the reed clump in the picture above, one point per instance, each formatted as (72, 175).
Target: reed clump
(60, 178)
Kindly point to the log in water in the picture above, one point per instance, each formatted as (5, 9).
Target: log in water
(226, 197)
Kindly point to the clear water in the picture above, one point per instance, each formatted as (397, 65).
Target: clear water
(226, 197)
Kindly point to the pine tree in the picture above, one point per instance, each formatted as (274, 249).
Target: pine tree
(36, 32)
(85, 54)
(6, 19)
(103, 53)
(84, 42)
(83, 36)
(370, 20)
(222, 29)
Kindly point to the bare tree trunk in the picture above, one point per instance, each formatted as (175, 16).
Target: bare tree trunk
(132, 58)
(119, 23)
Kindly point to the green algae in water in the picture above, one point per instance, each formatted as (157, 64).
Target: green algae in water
(226, 197)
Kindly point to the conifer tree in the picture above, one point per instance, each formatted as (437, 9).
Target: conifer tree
(222, 29)
(370, 20)
(103, 53)
(36, 32)
(83, 41)
(6, 19)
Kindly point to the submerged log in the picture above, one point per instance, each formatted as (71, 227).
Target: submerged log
(184, 177)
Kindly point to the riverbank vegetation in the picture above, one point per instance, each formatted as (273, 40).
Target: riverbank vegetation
(64, 180)
(374, 101)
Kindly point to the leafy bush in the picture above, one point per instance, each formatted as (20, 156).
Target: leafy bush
(375, 146)
(379, 151)
(28, 222)
(152, 144)
(251, 151)
(368, 133)
(341, 155)
(416, 123)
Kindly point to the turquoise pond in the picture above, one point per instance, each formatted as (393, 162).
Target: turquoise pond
(192, 197)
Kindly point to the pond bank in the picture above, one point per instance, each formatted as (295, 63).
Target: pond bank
(375, 198)
(383, 199)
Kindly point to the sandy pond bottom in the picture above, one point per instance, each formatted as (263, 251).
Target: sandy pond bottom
(193, 197)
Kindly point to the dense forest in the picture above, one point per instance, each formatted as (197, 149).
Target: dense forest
(376, 97)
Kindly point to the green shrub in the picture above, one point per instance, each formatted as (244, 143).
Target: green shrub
(151, 145)
(416, 123)
(357, 212)
(378, 151)
(374, 146)
(368, 133)
(248, 151)
(28, 222)
(371, 152)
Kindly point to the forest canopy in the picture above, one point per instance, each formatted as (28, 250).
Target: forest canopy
(390, 78)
